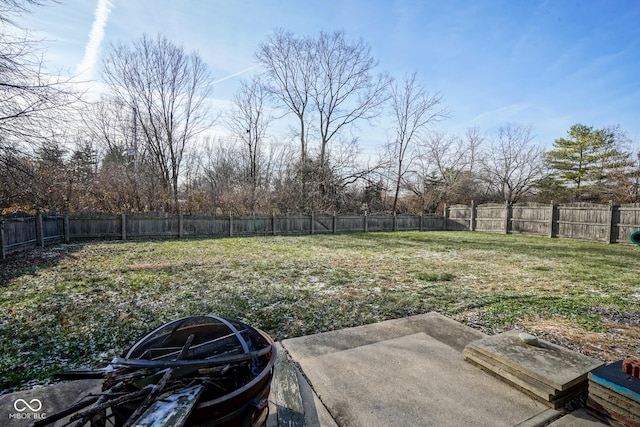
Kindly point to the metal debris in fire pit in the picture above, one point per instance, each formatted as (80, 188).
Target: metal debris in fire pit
(200, 370)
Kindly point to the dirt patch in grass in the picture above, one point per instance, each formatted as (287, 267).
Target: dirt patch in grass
(78, 305)
(616, 341)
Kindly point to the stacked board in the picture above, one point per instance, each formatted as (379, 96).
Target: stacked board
(614, 395)
(547, 372)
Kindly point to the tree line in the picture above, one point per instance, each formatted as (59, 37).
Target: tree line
(146, 144)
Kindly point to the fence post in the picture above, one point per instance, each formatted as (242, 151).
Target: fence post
(180, 226)
(395, 222)
(230, 225)
(472, 221)
(287, 224)
(67, 230)
(611, 223)
(366, 222)
(445, 215)
(39, 230)
(312, 221)
(3, 254)
(552, 215)
(334, 223)
(273, 222)
(421, 226)
(507, 217)
(123, 226)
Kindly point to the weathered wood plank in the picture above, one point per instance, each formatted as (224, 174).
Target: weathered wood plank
(171, 411)
(285, 388)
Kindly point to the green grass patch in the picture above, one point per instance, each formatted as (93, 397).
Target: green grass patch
(78, 305)
(435, 277)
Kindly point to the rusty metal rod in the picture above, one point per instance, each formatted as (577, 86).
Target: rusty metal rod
(52, 418)
(200, 363)
(157, 389)
(101, 404)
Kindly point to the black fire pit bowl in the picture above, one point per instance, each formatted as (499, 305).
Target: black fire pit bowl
(233, 360)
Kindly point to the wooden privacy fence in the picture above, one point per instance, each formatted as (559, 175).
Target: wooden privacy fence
(24, 232)
(606, 223)
(20, 233)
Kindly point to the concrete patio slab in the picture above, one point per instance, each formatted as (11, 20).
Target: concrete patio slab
(549, 364)
(550, 373)
(408, 372)
(577, 418)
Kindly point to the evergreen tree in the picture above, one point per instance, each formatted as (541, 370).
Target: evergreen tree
(587, 161)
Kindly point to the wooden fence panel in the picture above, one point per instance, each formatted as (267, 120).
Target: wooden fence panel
(205, 226)
(531, 219)
(458, 217)
(95, 227)
(407, 222)
(252, 225)
(590, 222)
(19, 233)
(432, 222)
(491, 217)
(52, 229)
(379, 222)
(323, 223)
(347, 223)
(152, 226)
(293, 224)
(627, 220)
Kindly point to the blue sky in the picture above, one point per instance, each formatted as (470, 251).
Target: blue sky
(548, 64)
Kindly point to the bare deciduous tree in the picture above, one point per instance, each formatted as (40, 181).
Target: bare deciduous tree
(248, 121)
(125, 175)
(344, 88)
(513, 163)
(328, 83)
(29, 97)
(445, 169)
(414, 111)
(288, 62)
(167, 88)
(34, 105)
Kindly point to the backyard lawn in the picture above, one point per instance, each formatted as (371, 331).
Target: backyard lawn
(78, 305)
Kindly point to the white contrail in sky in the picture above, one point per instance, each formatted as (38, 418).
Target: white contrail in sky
(85, 69)
(235, 74)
